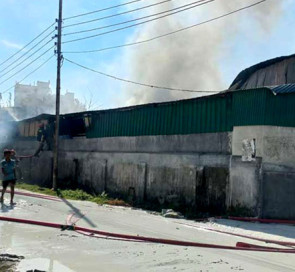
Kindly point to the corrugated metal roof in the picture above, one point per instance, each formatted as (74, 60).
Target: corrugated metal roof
(247, 73)
(283, 89)
(39, 117)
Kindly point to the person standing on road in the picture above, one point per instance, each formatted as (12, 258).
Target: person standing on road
(9, 176)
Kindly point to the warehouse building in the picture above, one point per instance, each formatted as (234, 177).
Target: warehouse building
(232, 150)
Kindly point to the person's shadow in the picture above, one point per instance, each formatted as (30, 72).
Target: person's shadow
(6, 208)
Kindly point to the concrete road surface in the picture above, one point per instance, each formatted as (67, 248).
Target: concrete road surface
(49, 249)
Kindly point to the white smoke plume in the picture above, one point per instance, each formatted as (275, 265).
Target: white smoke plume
(190, 59)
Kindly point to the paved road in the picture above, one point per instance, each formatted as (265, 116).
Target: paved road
(66, 251)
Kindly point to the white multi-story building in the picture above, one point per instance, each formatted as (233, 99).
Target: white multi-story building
(31, 100)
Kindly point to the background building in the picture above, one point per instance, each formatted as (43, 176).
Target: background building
(32, 100)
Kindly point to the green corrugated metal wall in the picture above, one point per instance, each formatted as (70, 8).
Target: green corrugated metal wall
(262, 107)
(218, 113)
(280, 110)
(203, 115)
(249, 107)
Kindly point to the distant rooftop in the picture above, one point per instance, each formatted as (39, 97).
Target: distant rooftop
(38, 83)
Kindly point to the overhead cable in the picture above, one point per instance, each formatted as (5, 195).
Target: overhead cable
(18, 64)
(28, 51)
(44, 31)
(25, 67)
(100, 10)
(130, 26)
(134, 82)
(35, 70)
(140, 18)
(163, 35)
(117, 14)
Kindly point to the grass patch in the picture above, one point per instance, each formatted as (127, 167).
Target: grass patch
(189, 212)
(73, 195)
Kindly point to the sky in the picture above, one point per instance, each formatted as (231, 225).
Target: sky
(206, 58)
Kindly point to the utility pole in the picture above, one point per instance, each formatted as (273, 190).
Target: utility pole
(56, 134)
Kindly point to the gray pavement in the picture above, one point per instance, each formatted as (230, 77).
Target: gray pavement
(54, 250)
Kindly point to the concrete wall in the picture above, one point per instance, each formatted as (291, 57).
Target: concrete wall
(212, 189)
(187, 170)
(245, 184)
(161, 178)
(193, 170)
(276, 145)
(217, 143)
(278, 195)
(267, 190)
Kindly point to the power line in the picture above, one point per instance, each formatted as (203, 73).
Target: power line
(35, 52)
(144, 17)
(26, 65)
(27, 52)
(27, 44)
(29, 74)
(100, 10)
(126, 27)
(117, 14)
(134, 82)
(163, 35)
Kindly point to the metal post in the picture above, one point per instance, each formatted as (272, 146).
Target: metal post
(56, 135)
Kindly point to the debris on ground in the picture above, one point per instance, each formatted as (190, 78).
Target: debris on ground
(169, 213)
(8, 262)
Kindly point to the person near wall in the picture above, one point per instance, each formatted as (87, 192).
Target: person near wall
(44, 136)
(9, 175)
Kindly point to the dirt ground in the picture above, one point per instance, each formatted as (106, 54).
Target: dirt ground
(50, 250)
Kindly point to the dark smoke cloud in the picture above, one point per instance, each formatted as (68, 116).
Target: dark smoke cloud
(190, 59)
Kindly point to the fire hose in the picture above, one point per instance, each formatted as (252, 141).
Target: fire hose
(260, 220)
(244, 219)
(92, 235)
(52, 198)
(90, 232)
(282, 243)
(239, 246)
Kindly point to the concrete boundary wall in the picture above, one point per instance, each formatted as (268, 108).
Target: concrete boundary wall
(276, 145)
(164, 178)
(192, 179)
(218, 143)
(278, 201)
(245, 184)
(155, 169)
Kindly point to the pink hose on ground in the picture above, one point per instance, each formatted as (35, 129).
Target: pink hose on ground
(146, 239)
(269, 221)
(53, 198)
(159, 240)
(282, 243)
(246, 245)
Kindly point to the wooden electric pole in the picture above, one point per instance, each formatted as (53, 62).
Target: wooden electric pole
(56, 134)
